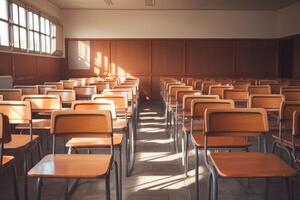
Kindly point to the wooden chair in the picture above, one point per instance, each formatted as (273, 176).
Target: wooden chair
(186, 116)
(196, 128)
(42, 88)
(296, 138)
(19, 113)
(241, 85)
(7, 162)
(283, 139)
(85, 92)
(239, 96)
(121, 124)
(291, 94)
(1, 97)
(206, 85)
(236, 123)
(100, 86)
(69, 84)
(118, 125)
(11, 94)
(275, 87)
(259, 89)
(78, 124)
(267, 82)
(59, 85)
(67, 96)
(28, 89)
(218, 90)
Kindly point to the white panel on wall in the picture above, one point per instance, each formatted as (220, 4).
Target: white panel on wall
(79, 55)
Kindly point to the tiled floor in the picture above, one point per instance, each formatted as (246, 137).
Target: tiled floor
(157, 173)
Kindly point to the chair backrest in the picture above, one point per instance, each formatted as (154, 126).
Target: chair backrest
(96, 105)
(67, 96)
(133, 87)
(28, 89)
(270, 102)
(85, 91)
(235, 122)
(11, 94)
(236, 94)
(259, 89)
(127, 92)
(18, 112)
(197, 85)
(42, 88)
(206, 85)
(294, 82)
(59, 85)
(296, 124)
(218, 90)
(69, 84)
(267, 82)
(112, 83)
(173, 90)
(181, 93)
(287, 109)
(82, 124)
(187, 100)
(92, 80)
(241, 85)
(276, 87)
(291, 94)
(100, 86)
(43, 103)
(5, 132)
(121, 101)
(1, 97)
(200, 105)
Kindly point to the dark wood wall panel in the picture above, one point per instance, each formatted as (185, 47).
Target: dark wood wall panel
(201, 58)
(256, 58)
(296, 57)
(131, 57)
(149, 59)
(167, 57)
(6, 63)
(30, 69)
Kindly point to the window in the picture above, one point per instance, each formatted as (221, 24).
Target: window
(24, 29)
(4, 30)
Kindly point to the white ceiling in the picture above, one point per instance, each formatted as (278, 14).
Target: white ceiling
(174, 4)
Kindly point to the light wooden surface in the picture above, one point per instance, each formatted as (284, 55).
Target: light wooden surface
(251, 164)
(72, 166)
(220, 142)
(7, 159)
(94, 142)
(19, 141)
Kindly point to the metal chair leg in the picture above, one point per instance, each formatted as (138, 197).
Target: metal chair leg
(117, 181)
(196, 174)
(25, 176)
(209, 186)
(15, 182)
(120, 164)
(266, 188)
(186, 160)
(39, 188)
(287, 184)
(215, 184)
(107, 186)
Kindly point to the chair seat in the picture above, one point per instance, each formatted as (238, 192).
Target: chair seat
(94, 142)
(250, 164)
(38, 124)
(19, 141)
(72, 166)
(7, 159)
(120, 124)
(287, 140)
(220, 142)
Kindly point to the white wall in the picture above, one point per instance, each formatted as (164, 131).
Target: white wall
(288, 22)
(168, 24)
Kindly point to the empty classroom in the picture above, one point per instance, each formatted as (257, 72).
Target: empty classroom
(149, 99)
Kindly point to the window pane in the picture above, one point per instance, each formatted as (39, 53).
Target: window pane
(53, 46)
(47, 27)
(36, 41)
(23, 38)
(53, 30)
(48, 48)
(22, 16)
(30, 25)
(43, 44)
(31, 44)
(15, 13)
(4, 34)
(3, 9)
(42, 19)
(36, 22)
(16, 36)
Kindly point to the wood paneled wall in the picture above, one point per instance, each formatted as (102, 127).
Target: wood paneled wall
(148, 59)
(30, 69)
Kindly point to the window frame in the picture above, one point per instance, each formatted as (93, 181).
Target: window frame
(11, 24)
